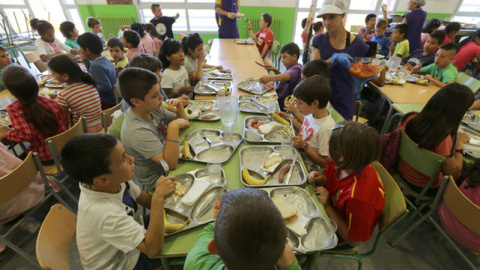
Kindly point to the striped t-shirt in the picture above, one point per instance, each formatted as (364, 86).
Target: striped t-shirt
(82, 99)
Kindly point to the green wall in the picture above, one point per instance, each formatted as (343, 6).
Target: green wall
(107, 11)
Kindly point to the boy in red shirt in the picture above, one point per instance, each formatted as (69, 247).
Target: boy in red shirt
(264, 36)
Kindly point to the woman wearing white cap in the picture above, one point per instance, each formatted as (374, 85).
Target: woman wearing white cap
(337, 47)
(415, 19)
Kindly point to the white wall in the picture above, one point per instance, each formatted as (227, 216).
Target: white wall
(433, 6)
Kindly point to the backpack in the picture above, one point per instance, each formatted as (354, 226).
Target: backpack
(389, 153)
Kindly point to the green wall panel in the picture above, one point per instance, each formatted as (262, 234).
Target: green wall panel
(107, 11)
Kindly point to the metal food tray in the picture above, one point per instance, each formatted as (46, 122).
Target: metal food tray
(472, 150)
(245, 86)
(210, 146)
(180, 212)
(472, 119)
(201, 89)
(199, 109)
(253, 158)
(414, 78)
(315, 237)
(254, 104)
(244, 42)
(275, 136)
(213, 76)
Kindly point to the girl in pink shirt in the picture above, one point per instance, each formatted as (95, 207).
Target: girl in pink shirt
(154, 34)
(469, 49)
(146, 42)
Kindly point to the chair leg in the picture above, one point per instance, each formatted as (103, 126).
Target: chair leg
(360, 264)
(311, 260)
(166, 264)
(406, 230)
(20, 252)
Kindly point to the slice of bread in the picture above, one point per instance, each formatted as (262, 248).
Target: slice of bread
(288, 213)
(272, 161)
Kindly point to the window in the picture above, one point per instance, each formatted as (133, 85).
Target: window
(12, 2)
(75, 18)
(470, 6)
(468, 13)
(18, 19)
(202, 20)
(363, 5)
(49, 10)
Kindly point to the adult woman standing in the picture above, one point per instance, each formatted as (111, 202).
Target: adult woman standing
(415, 19)
(226, 14)
(337, 46)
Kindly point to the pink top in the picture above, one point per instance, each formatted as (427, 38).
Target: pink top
(304, 37)
(158, 43)
(457, 230)
(147, 44)
(466, 54)
(423, 39)
(132, 52)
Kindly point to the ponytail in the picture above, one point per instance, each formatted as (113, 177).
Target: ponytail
(24, 87)
(470, 38)
(191, 42)
(64, 64)
(41, 26)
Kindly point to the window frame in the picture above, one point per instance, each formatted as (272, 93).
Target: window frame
(463, 13)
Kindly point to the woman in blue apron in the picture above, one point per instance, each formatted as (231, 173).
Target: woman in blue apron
(225, 14)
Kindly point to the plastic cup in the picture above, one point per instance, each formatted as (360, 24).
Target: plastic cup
(214, 172)
(204, 79)
(228, 127)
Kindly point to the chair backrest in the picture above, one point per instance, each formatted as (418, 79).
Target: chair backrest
(466, 80)
(392, 123)
(467, 212)
(337, 117)
(116, 92)
(357, 109)
(34, 58)
(394, 201)
(423, 161)
(107, 115)
(275, 46)
(19, 179)
(116, 127)
(55, 237)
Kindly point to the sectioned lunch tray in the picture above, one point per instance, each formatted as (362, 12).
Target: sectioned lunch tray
(215, 74)
(276, 135)
(180, 212)
(471, 149)
(210, 145)
(255, 104)
(212, 87)
(245, 86)
(253, 158)
(203, 110)
(308, 232)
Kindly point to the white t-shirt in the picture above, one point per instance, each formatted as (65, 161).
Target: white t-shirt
(190, 65)
(316, 133)
(175, 79)
(108, 231)
(45, 48)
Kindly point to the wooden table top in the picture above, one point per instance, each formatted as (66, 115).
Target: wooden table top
(407, 93)
(226, 48)
(405, 108)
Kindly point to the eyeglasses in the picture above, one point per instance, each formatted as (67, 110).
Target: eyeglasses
(338, 126)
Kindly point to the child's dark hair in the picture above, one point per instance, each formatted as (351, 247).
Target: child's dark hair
(470, 38)
(291, 48)
(92, 21)
(66, 27)
(358, 145)
(41, 26)
(24, 87)
(191, 42)
(434, 23)
(87, 156)
(471, 174)
(450, 47)
(132, 37)
(146, 61)
(402, 29)
(267, 18)
(250, 232)
(2, 49)
(313, 88)
(369, 16)
(136, 83)
(439, 36)
(63, 64)
(169, 47)
(154, 6)
(452, 27)
(317, 26)
(316, 67)
(115, 42)
(150, 28)
(139, 28)
(90, 41)
(381, 24)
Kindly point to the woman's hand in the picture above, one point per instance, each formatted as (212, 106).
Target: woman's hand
(342, 59)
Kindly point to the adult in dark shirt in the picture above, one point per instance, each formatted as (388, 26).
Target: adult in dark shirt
(226, 14)
(163, 24)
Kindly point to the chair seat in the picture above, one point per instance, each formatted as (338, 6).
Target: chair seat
(102, 131)
(50, 169)
(404, 186)
(362, 120)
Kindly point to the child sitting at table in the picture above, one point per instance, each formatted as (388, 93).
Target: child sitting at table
(249, 233)
(131, 41)
(111, 233)
(368, 31)
(80, 98)
(70, 32)
(5, 61)
(400, 46)
(264, 36)
(175, 79)
(96, 27)
(442, 72)
(34, 118)
(312, 96)
(350, 189)
(150, 133)
(292, 76)
(147, 45)
(451, 31)
(155, 35)
(468, 50)
(99, 67)
(380, 38)
(195, 58)
(115, 47)
(47, 46)
(425, 57)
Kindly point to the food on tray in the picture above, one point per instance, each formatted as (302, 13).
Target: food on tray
(288, 213)
(255, 123)
(290, 99)
(186, 153)
(283, 171)
(179, 191)
(169, 107)
(364, 70)
(192, 114)
(203, 105)
(272, 161)
(225, 90)
(195, 191)
(266, 128)
(217, 207)
(5, 121)
(252, 181)
(48, 93)
(173, 227)
(280, 119)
